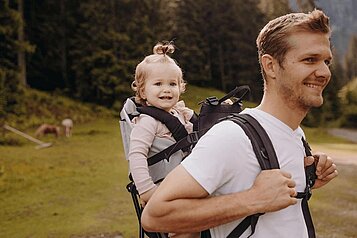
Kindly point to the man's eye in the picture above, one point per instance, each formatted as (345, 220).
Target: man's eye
(328, 62)
(310, 60)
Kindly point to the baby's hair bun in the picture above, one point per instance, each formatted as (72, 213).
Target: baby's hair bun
(133, 86)
(163, 48)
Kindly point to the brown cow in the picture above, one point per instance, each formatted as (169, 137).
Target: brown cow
(47, 129)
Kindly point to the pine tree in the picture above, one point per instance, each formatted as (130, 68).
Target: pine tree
(276, 8)
(351, 59)
(306, 5)
(111, 39)
(216, 41)
(50, 27)
(10, 88)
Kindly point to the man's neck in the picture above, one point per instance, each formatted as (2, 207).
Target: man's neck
(281, 110)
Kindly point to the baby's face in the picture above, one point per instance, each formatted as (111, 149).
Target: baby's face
(162, 88)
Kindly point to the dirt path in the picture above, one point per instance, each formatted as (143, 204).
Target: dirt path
(348, 134)
(340, 153)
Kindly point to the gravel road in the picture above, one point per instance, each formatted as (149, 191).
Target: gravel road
(340, 153)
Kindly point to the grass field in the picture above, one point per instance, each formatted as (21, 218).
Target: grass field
(76, 188)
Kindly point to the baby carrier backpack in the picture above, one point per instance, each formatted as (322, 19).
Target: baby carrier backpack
(212, 111)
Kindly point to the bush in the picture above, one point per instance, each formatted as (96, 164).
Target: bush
(349, 119)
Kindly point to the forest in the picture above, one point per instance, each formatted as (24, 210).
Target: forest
(88, 50)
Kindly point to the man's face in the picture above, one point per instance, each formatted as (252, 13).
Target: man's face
(305, 71)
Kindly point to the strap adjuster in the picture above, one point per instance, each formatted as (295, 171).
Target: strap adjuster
(306, 194)
(193, 137)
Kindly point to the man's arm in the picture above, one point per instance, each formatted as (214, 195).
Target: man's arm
(180, 204)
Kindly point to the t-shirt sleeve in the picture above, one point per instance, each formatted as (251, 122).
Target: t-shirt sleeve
(218, 155)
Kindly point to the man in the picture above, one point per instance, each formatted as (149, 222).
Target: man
(221, 182)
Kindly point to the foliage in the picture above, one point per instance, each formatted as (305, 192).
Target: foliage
(216, 46)
(274, 9)
(348, 94)
(306, 5)
(89, 49)
(39, 107)
(351, 59)
(10, 89)
(50, 27)
(348, 97)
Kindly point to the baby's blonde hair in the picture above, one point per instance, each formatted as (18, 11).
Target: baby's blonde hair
(159, 56)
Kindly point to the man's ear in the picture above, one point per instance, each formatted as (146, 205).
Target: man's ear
(269, 65)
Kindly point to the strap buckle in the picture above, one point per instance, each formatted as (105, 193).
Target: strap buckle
(193, 137)
(306, 194)
(212, 101)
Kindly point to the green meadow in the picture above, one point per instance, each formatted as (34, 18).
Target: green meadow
(76, 188)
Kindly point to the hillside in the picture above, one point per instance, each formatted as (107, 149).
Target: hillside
(39, 107)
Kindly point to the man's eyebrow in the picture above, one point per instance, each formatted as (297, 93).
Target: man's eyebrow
(330, 57)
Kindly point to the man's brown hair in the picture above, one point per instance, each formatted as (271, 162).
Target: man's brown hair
(272, 39)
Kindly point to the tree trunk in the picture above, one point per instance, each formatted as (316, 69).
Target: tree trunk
(63, 46)
(21, 60)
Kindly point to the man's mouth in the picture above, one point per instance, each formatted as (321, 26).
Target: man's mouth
(315, 86)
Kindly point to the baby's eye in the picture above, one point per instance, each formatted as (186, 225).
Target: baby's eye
(173, 84)
(157, 84)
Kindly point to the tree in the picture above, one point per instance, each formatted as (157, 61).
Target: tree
(216, 41)
(351, 59)
(10, 88)
(21, 60)
(306, 5)
(50, 26)
(112, 37)
(276, 8)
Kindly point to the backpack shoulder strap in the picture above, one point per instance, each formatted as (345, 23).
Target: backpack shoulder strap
(310, 173)
(262, 146)
(267, 159)
(174, 125)
(261, 143)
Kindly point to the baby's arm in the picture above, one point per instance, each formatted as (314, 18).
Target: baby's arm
(141, 139)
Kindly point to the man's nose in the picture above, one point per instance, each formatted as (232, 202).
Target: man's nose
(323, 71)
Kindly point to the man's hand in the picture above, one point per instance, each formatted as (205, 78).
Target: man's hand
(326, 170)
(274, 190)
